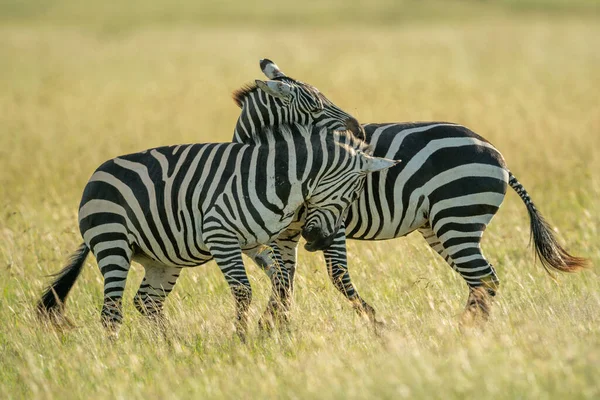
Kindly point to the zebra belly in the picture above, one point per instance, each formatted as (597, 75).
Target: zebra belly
(443, 166)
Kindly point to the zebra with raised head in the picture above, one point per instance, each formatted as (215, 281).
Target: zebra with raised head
(181, 206)
(448, 187)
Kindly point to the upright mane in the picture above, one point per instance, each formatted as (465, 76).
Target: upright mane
(349, 139)
(240, 94)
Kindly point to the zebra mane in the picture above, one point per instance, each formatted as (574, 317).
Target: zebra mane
(240, 94)
(349, 139)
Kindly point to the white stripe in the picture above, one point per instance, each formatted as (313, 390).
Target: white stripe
(473, 269)
(113, 260)
(455, 249)
(168, 206)
(410, 168)
(191, 216)
(465, 259)
(488, 198)
(142, 171)
(96, 206)
(474, 219)
(456, 234)
(414, 166)
(453, 174)
(102, 229)
(134, 205)
(111, 244)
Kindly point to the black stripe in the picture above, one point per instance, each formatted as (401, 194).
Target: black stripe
(459, 227)
(464, 211)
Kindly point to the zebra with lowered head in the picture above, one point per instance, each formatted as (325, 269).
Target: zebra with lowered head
(449, 186)
(181, 206)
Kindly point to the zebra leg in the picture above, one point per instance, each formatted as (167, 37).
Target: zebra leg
(114, 260)
(287, 243)
(228, 256)
(278, 306)
(462, 251)
(158, 282)
(337, 268)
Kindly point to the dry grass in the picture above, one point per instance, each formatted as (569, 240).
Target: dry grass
(71, 97)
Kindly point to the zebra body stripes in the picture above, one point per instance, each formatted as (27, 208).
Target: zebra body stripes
(449, 186)
(181, 206)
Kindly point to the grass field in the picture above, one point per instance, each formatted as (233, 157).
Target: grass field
(81, 84)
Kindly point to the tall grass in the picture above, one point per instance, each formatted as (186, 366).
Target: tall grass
(72, 97)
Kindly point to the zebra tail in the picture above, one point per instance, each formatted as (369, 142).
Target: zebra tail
(552, 255)
(54, 296)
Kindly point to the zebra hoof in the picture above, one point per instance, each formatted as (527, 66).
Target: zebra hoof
(241, 336)
(112, 335)
(112, 327)
(266, 324)
(379, 327)
(469, 323)
(477, 311)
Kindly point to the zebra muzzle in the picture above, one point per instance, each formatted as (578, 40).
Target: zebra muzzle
(316, 239)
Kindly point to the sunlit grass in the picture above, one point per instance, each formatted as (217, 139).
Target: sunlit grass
(71, 98)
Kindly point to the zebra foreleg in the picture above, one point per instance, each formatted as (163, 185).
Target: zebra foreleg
(276, 313)
(337, 269)
(228, 257)
(158, 283)
(287, 243)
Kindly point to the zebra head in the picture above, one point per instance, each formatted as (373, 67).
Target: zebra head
(342, 182)
(282, 100)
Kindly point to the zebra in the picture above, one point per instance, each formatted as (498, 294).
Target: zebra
(449, 186)
(181, 206)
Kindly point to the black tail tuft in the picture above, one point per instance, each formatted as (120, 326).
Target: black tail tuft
(55, 295)
(552, 255)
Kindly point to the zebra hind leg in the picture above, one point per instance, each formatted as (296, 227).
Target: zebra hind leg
(159, 281)
(462, 251)
(114, 260)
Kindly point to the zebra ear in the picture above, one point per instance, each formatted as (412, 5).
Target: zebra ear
(276, 89)
(270, 69)
(374, 164)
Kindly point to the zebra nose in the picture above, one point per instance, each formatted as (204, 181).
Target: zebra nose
(312, 233)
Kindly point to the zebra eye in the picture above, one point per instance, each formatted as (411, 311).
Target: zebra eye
(318, 107)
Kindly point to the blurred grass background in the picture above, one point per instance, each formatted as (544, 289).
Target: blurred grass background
(124, 16)
(81, 82)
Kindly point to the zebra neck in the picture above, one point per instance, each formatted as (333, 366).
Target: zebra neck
(258, 111)
(291, 173)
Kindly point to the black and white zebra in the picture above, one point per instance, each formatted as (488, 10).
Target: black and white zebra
(181, 206)
(449, 186)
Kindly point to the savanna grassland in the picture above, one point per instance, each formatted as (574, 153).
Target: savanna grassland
(81, 83)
